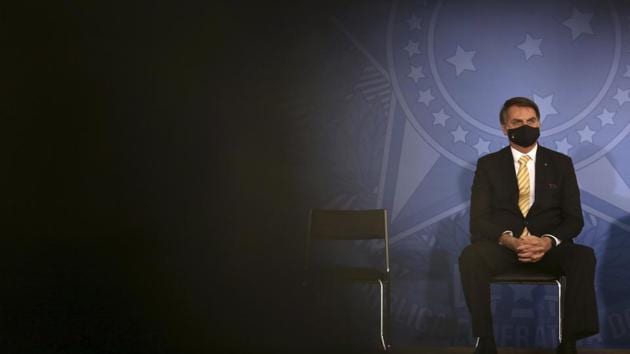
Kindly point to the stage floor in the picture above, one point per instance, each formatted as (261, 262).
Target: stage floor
(507, 350)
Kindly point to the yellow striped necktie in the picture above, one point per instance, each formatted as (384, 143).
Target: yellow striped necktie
(523, 188)
(523, 185)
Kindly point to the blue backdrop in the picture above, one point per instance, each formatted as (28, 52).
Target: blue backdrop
(407, 100)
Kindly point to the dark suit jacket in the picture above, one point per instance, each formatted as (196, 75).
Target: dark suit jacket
(494, 200)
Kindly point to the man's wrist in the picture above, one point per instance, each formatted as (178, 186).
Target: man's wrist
(554, 240)
(505, 237)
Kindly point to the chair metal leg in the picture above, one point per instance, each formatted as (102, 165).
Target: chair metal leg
(382, 316)
(388, 320)
(559, 283)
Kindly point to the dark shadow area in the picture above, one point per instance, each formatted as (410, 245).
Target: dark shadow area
(149, 201)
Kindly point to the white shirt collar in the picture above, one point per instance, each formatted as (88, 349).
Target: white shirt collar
(517, 154)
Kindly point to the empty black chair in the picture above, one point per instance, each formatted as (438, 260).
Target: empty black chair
(355, 225)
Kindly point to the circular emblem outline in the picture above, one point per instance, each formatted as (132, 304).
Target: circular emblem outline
(411, 118)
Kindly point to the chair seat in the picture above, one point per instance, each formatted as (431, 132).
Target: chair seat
(525, 275)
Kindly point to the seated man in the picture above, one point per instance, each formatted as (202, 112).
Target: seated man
(525, 211)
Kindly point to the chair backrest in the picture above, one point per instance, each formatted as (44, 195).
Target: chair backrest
(326, 224)
(331, 224)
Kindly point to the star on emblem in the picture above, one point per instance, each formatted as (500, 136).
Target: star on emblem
(579, 23)
(459, 134)
(414, 23)
(462, 60)
(530, 47)
(482, 146)
(606, 117)
(440, 118)
(425, 97)
(416, 73)
(563, 146)
(545, 104)
(586, 134)
(622, 96)
(412, 48)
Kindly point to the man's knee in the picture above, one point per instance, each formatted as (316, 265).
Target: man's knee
(470, 255)
(585, 254)
(580, 256)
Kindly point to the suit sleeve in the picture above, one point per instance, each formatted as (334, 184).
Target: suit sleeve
(572, 219)
(481, 221)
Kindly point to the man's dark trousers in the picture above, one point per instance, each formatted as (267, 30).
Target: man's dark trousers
(482, 259)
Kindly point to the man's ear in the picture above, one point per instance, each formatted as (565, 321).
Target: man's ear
(504, 129)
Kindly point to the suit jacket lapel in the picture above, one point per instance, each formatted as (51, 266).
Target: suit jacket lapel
(507, 165)
(542, 164)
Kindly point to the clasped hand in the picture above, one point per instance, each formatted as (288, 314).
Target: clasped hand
(529, 248)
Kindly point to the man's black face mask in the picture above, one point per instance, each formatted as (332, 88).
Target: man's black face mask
(524, 135)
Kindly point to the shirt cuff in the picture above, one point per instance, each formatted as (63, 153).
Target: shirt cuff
(506, 232)
(554, 238)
